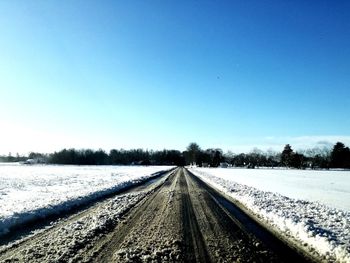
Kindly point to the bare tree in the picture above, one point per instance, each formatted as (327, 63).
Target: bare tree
(193, 150)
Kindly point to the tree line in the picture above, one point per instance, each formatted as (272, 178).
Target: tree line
(117, 157)
(10, 158)
(324, 158)
(316, 158)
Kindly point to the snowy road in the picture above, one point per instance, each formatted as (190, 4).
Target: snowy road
(178, 218)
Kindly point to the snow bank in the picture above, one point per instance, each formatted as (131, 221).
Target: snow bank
(320, 229)
(67, 242)
(31, 192)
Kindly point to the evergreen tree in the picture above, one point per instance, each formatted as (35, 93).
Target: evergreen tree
(287, 155)
(340, 156)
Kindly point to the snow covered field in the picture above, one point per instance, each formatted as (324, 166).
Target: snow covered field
(30, 192)
(331, 188)
(301, 205)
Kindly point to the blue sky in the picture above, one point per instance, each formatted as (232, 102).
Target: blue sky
(161, 74)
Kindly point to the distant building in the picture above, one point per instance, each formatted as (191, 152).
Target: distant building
(225, 165)
(30, 161)
(35, 161)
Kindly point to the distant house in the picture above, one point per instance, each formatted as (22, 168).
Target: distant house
(30, 161)
(205, 164)
(225, 165)
(35, 161)
(143, 162)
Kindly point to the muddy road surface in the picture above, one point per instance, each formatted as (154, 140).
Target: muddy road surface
(177, 219)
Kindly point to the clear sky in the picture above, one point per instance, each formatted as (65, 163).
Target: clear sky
(161, 74)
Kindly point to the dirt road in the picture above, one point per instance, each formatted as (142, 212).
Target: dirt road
(179, 219)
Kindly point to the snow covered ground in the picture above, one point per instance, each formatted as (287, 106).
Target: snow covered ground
(301, 205)
(30, 192)
(331, 188)
(66, 242)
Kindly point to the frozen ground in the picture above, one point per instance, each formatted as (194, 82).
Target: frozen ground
(292, 202)
(30, 192)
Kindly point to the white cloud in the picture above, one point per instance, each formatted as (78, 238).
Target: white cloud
(277, 143)
(304, 142)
